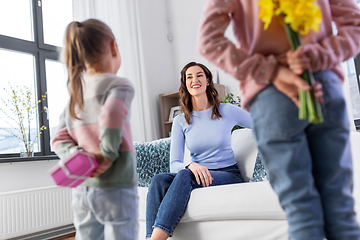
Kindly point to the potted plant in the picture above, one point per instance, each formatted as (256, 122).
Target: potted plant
(18, 110)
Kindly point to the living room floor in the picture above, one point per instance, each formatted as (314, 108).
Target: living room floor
(70, 236)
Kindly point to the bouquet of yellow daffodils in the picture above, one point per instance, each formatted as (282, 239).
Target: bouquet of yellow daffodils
(299, 16)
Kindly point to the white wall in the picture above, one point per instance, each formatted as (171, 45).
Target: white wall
(156, 59)
(25, 175)
(185, 18)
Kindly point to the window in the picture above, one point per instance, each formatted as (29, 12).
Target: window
(353, 69)
(353, 65)
(56, 16)
(56, 89)
(31, 37)
(19, 15)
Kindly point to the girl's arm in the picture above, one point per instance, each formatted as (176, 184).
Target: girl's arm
(177, 146)
(62, 141)
(332, 50)
(114, 121)
(214, 46)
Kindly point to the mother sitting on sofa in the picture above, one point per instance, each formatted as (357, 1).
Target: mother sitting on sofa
(205, 125)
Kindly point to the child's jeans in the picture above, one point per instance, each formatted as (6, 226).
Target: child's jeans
(105, 213)
(309, 165)
(169, 193)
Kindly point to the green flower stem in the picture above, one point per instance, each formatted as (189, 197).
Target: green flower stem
(309, 106)
(302, 109)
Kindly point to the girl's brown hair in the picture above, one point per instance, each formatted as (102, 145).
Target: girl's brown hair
(211, 93)
(85, 44)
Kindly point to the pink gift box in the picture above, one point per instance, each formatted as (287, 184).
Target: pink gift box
(74, 169)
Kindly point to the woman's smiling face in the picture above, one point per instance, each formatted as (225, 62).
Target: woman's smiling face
(196, 81)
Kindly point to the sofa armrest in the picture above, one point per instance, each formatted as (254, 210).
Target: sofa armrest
(245, 150)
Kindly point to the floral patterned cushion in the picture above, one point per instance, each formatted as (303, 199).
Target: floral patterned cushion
(259, 171)
(152, 158)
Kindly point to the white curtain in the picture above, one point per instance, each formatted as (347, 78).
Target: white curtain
(121, 18)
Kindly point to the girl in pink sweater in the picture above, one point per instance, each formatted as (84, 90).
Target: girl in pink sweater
(309, 166)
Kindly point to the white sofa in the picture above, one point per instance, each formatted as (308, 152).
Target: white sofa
(246, 211)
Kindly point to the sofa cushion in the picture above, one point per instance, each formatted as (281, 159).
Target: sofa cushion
(235, 201)
(259, 171)
(142, 193)
(152, 158)
(245, 150)
(247, 201)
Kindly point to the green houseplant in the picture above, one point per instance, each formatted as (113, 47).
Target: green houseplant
(18, 109)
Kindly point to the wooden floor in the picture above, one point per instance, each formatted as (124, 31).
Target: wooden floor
(70, 236)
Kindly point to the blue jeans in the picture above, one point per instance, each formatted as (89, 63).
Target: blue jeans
(309, 165)
(105, 213)
(169, 193)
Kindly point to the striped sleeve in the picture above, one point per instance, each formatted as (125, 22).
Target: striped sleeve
(62, 142)
(114, 121)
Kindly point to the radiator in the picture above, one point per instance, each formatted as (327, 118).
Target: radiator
(33, 210)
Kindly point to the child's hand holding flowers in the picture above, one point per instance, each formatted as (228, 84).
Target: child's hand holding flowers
(299, 16)
(298, 63)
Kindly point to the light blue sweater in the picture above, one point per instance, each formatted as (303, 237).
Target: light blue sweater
(209, 140)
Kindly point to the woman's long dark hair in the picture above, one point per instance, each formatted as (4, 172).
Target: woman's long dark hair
(211, 93)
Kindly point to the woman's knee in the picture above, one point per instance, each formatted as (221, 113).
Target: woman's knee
(164, 180)
(161, 179)
(184, 173)
(184, 176)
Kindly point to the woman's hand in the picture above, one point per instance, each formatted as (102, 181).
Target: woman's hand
(201, 173)
(104, 164)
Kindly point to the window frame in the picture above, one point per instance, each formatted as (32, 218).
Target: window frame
(41, 52)
(357, 70)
